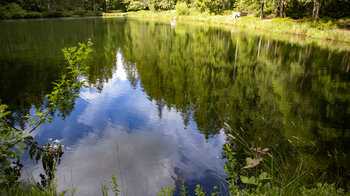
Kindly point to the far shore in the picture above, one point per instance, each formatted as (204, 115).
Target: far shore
(302, 28)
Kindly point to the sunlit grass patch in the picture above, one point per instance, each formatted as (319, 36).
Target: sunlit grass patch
(326, 30)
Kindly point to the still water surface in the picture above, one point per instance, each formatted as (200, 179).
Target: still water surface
(159, 95)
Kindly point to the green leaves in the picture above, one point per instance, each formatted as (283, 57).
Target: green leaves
(2, 111)
(230, 167)
(11, 139)
(263, 176)
(167, 191)
(247, 180)
(65, 90)
(199, 191)
(14, 142)
(252, 162)
(21, 146)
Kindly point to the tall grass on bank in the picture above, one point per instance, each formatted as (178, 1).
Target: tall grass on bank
(273, 171)
(307, 28)
(252, 170)
(32, 188)
(284, 37)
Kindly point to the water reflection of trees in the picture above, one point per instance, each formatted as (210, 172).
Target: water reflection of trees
(31, 59)
(273, 90)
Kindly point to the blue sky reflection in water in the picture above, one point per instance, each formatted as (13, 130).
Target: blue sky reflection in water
(202, 76)
(119, 130)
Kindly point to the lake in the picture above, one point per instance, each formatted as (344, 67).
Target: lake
(161, 95)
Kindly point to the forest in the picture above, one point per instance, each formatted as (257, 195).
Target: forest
(296, 9)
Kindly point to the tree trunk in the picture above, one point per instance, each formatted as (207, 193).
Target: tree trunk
(282, 8)
(316, 9)
(261, 10)
(276, 9)
(229, 4)
(49, 6)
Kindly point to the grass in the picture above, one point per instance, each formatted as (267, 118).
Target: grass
(256, 171)
(250, 172)
(32, 188)
(307, 28)
(280, 172)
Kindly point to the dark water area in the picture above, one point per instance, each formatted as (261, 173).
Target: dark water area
(160, 94)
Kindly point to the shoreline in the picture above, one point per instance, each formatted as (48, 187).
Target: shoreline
(278, 25)
(248, 25)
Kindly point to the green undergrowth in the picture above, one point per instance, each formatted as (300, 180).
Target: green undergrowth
(321, 29)
(14, 11)
(14, 141)
(250, 171)
(284, 37)
(253, 170)
(318, 190)
(33, 189)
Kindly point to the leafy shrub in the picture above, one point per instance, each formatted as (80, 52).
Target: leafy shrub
(33, 15)
(90, 13)
(208, 6)
(323, 24)
(151, 5)
(166, 5)
(283, 20)
(52, 14)
(14, 142)
(12, 10)
(156, 5)
(136, 6)
(67, 14)
(193, 10)
(16, 11)
(269, 10)
(79, 11)
(200, 5)
(182, 9)
(322, 190)
(121, 4)
(4, 13)
(227, 12)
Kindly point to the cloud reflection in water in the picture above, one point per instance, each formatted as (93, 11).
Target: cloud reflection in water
(149, 154)
(139, 158)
